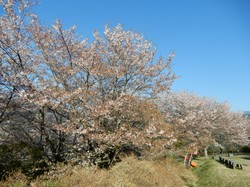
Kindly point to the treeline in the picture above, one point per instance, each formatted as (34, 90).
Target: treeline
(64, 99)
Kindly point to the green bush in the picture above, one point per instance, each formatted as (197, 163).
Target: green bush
(21, 157)
(245, 149)
(212, 149)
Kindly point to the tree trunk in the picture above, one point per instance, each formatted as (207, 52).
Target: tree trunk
(205, 153)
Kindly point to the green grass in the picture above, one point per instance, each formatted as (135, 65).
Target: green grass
(212, 173)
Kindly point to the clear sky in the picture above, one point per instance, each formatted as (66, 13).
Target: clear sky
(211, 38)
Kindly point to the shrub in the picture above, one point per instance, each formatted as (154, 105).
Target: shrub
(21, 157)
(245, 149)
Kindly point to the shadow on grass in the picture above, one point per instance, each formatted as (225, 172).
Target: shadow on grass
(247, 158)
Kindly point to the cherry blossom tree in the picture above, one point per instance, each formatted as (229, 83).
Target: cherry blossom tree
(128, 65)
(202, 120)
(71, 92)
(16, 60)
(15, 55)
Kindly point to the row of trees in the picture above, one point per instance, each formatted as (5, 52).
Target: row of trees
(203, 121)
(70, 98)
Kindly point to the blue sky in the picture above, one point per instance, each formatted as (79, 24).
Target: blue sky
(211, 38)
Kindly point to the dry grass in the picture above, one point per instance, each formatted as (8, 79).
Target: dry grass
(130, 172)
(16, 179)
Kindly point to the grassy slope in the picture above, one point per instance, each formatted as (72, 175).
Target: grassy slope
(130, 172)
(164, 172)
(212, 173)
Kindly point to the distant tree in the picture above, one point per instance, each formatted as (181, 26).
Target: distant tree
(202, 120)
(231, 129)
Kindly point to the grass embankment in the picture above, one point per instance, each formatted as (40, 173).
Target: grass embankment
(212, 173)
(130, 172)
